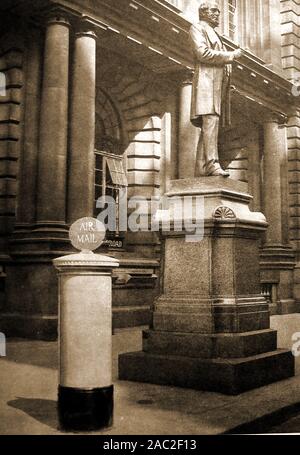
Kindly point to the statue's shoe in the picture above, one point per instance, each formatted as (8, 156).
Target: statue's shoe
(220, 172)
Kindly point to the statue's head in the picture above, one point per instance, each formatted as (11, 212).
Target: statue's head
(209, 11)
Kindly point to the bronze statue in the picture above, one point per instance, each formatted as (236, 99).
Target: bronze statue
(212, 69)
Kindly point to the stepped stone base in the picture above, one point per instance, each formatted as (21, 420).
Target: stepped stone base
(210, 325)
(126, 317)
(210, 346)
(227, 376)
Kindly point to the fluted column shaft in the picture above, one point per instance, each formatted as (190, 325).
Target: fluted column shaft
(274, 154)
(26, 212)
(82, 128)
(51, 192)
(277, 258)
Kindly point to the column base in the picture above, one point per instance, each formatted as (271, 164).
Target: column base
(40, 240)
(296, 286)
(277, 271)
(85, 410)
(288, 306)
(227, 376)
(273, 308)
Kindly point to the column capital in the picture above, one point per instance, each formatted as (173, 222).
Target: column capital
(57, 19)
(57, 14)
(275, 117)
(87, 33)
(186, 77)
(88, 26)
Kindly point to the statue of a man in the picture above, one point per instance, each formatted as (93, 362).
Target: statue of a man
(212, 64)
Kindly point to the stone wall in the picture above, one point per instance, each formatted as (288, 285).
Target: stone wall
(12, 67)
(290, 29)
(131, 89)
(142, 100)
(293, 132)
(241, 154)
(236, 158)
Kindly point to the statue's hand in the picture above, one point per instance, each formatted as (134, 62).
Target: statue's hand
(237, 53)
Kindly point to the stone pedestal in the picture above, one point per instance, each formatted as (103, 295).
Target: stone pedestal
(211, 325)
(85, 335)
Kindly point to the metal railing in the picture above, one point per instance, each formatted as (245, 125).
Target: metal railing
(269, 292)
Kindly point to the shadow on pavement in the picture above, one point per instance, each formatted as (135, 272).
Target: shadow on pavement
(44, 411)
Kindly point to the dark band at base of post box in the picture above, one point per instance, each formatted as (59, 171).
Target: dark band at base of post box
(85, 410)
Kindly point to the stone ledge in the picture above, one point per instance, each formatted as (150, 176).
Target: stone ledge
(125, 317)
(209, 183)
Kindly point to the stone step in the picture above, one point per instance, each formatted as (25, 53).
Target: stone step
(131, 316)
(227, 376)
(210, 346)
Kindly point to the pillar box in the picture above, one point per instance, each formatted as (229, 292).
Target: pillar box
(85, 399)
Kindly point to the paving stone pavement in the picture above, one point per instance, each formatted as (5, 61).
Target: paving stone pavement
(28, 393)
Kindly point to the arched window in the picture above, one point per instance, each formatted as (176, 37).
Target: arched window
(108, 125)
(110, 175)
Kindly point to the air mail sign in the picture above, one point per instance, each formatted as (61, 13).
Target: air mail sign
(87, 234)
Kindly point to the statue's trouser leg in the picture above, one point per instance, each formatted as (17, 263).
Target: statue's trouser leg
(207, 155)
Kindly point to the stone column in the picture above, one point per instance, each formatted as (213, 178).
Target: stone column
(188, 134)
(28, 168)
(51, 191)
(254, 175)
(82, 140)
(273, 149)
(277, 259)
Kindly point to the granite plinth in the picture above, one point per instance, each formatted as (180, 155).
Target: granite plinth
(211, 325)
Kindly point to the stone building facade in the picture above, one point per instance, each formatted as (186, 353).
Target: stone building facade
(97, 101)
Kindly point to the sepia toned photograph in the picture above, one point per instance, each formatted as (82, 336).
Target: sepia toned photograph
(149, 220)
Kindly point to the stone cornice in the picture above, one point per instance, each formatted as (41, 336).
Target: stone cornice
(276, 117)
(170, 28)
(160, 35)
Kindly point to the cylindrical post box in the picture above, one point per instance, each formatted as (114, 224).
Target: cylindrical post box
(85, 399)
